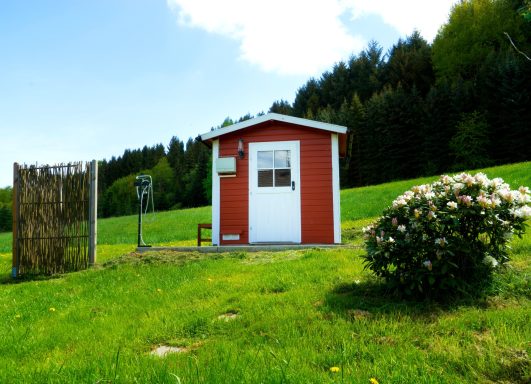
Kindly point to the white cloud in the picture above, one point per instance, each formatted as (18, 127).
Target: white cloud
(426, 16)
(304, 37)
(284, 36)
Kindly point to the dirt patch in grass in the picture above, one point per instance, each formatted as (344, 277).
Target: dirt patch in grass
(163, 350)
(181, 258)
(358, 314)
(514, 367)
(228, 316)
(273, 257)
(161, 257)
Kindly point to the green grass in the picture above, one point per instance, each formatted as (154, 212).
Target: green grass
(359, 206)
(118, 235)
(359, 203)
(174, 227)
(299, 313)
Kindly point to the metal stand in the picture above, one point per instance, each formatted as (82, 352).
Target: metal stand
(144, 187)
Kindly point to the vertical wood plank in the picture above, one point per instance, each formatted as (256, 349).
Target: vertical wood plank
(15, 210)
(93, 211)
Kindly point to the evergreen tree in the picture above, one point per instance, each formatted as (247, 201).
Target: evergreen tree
(207, 181)
(245, 117)
(176, 160)
(327, 115)
(335, 86)
(442, 111)
(409, 65)
(307, 100)
(364, 72)
(282, 107)
(392, 137)
(6, 218)
(352, 115)
(507, 90)
(470, 142)
(194, 192)
(6, 204)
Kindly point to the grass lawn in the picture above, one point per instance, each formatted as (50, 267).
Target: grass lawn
(284, 317)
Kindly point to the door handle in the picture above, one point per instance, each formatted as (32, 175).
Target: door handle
(292, 185)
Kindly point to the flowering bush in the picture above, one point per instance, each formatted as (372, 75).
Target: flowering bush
(447, 236)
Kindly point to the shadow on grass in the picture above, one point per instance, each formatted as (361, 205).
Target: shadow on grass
(358, 300)
(373, 297)
(7, 279)
(134, 259)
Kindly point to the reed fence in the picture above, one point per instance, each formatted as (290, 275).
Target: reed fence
(54, 218)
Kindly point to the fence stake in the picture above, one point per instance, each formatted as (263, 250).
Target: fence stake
(93, 211)
(15, 207)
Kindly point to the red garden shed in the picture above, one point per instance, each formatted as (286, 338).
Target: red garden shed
(275, 180)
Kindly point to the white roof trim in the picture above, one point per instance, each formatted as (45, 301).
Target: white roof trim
(277, 117)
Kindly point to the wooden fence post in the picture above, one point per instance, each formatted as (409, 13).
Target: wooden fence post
(93, 211)
(15, 209)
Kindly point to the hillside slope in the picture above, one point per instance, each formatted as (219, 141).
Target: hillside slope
(310, 316)
(180, 227)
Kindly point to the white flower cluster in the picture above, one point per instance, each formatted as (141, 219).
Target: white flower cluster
(490, 261)
(450, 196)
(523, 212)
(466, 191)
(444, 228)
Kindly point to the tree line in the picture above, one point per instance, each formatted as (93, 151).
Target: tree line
(419, 109)
(181, 173)
(6, 220)
(460, 103)
(181, 177)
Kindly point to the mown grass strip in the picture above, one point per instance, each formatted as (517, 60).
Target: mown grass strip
(299, 313)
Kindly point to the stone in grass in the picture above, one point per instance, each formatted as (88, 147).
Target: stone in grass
(231, 315)
(358, 314)
(163, 350)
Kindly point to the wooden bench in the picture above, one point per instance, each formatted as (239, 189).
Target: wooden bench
(199, 238)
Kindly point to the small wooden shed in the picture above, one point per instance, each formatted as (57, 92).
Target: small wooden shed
(275, 180)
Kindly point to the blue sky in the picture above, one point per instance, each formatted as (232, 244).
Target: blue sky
(82, 80)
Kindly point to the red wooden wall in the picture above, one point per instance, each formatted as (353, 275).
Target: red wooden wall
(317, 224)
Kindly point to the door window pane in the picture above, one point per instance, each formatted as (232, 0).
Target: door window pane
(265, 159)
(282, 159)
(282, 177)
(265, 178)
(274, 168)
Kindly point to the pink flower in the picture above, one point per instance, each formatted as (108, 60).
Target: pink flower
(465, 200)
(469, 180)
(483, 201)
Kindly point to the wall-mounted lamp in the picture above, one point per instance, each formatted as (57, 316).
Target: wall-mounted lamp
(241, 152)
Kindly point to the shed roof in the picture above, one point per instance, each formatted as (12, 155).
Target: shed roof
(273, 117)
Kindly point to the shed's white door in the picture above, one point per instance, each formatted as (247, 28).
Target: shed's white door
(274, 192)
